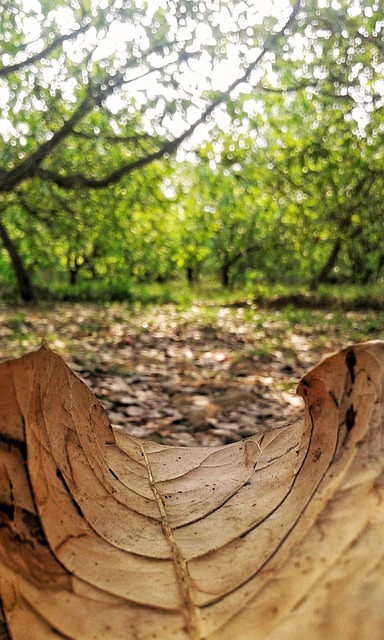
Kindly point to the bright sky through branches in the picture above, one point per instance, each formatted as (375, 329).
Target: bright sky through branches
(200, 74)
(173, 59)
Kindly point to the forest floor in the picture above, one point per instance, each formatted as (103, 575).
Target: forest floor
(202, 375)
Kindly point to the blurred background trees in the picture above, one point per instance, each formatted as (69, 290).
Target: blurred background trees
(153, 141)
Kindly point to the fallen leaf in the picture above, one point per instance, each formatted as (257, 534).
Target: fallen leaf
(134, 410)
(106, 536)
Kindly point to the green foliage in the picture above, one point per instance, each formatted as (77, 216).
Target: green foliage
(118, 291)
(287, 189)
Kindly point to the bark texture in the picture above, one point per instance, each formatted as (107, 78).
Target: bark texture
(105, 536)
(23, 280)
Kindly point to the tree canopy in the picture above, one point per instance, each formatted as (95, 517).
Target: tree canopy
(142, 139)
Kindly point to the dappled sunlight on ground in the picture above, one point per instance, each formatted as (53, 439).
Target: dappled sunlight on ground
(205, 375)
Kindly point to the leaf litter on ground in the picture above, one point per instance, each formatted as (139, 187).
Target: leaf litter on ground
(205, 375)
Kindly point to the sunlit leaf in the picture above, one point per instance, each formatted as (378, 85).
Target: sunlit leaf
(107, 536)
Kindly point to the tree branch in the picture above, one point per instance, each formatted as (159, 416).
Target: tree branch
(293, 89)
(80, 180)
(113, 139)
(28, 168)
(5, 71)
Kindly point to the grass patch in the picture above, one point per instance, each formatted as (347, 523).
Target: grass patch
(327, 297)
(95, 291)
(209, 291)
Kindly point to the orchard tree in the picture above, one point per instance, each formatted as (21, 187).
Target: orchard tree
(325, 141)
(219, 213)
(307, 150)
(92, 91)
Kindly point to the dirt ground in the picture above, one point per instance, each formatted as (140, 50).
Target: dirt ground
(202, 376)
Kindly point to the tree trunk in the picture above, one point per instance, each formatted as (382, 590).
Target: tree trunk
(190, 275)
(23, 280)
(225, 274)
(324, 273)
(73, 273)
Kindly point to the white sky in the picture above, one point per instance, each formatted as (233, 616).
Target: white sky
(221, 73)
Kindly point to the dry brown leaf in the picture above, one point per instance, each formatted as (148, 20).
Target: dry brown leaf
(107, 537)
